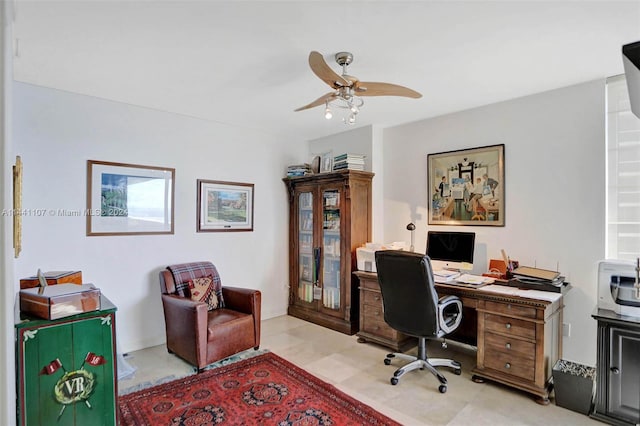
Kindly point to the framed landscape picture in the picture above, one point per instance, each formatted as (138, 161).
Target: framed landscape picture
(467, 187)
(224, 206)
(129, 199)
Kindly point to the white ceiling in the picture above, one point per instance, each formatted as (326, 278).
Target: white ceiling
(245, 63)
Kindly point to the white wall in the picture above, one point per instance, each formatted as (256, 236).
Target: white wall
(57, 132)
(7, 294)
(555, 189)
(367, 141)
(350, 141)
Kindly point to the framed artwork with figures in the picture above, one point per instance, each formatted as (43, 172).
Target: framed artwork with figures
(467, 187)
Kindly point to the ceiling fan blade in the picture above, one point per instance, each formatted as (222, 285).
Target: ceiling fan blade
(367, 88)
(320, 101)
(324, 72)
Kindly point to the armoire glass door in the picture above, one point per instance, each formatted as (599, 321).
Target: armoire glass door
(331, 249)
(307, 273)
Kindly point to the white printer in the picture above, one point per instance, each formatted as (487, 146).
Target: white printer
(617, 289)
(366, 256)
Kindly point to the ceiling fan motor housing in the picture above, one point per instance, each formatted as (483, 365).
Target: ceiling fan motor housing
(344, 58)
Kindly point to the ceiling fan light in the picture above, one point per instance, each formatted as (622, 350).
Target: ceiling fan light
(327, 113)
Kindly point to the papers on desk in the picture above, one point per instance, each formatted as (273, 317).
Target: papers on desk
(445, 275)
(514, 291)
(455, 278)
(540, 274)
(474, 279)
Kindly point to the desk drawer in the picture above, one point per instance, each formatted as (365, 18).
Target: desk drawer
(495, 343)
(372, 298)
(510, 309)
(510, 326)
(367, 283)
(373, 312)
(512, 364)
(375, 325)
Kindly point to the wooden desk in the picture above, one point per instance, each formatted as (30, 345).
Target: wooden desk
(519, 337)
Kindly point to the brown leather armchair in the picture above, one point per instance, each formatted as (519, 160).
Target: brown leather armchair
(200, 336)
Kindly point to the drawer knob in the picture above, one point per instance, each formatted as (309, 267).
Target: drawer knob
(376, 328)
(508, 326)
(377, 313)
(509, 306)
(615, 370)
(507, 366)
(376, 298)
(508, 346)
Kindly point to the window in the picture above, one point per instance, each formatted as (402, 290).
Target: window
(623, 173)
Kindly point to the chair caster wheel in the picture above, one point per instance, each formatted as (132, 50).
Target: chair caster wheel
(457, 371)
(394, 381)
(442, 388)
(387, 361)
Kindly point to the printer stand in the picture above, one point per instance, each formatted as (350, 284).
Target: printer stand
(618, 371)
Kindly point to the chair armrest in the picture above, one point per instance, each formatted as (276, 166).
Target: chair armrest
(245, 300)
(449, 313)
(186, 327)
(448, 300)
(180, 303)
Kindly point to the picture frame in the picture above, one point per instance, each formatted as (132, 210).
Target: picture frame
(326, 162)
(224, 206)
(129, 199)
(17, 207)
(467, 187)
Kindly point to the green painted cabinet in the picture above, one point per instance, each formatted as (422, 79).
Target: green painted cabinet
(66, 369)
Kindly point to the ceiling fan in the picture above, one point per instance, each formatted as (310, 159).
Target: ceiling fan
(348, 90)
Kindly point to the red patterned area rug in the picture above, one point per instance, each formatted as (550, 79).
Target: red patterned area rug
(264, 390)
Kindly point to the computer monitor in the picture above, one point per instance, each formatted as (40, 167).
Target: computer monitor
(451, 250)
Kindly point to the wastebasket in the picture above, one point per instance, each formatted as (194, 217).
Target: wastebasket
(574, 386)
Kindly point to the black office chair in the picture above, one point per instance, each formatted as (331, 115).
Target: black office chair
(411, 306)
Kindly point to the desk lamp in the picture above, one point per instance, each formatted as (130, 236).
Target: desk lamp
(411, 227)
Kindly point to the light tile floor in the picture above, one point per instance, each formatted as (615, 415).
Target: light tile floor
(357, 369)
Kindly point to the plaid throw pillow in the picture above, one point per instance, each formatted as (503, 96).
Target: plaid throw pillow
(203, 290)
(185, 274)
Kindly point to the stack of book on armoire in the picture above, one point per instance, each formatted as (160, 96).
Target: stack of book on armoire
(348, 161)
(299, 170)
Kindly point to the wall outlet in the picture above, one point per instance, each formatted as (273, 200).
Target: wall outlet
(566, 330)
